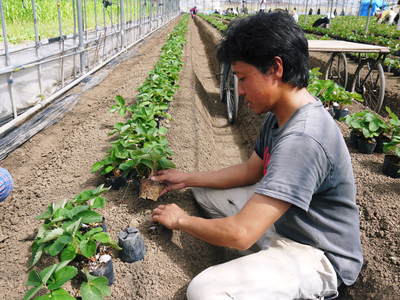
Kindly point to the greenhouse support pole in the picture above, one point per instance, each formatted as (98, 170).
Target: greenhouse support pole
(80, 36)
(61, 42)
(37, 45)
(122, 26)
(369, 16)
(306, 13)
(95, 16)
(10, 79)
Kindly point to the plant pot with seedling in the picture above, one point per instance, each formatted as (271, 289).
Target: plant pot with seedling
(391, 163)
(380, 141)
(154, 159)
(72, 232)
(366, 127)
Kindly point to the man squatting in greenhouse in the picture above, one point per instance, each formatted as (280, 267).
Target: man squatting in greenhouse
(294, 197)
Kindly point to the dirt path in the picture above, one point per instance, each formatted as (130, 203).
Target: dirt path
(55, 165)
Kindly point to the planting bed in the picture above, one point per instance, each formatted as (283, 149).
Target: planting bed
(56, 163)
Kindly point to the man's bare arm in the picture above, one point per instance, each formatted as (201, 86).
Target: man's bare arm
(240, 231)
(243, 174)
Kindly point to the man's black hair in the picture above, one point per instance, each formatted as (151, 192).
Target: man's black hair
(257, 39)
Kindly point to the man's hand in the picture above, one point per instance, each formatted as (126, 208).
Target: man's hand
(168, 215)
(172, 178)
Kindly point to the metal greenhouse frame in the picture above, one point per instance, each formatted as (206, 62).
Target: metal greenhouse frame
(49, 67)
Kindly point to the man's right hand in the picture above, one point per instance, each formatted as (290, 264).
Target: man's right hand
(172, 178)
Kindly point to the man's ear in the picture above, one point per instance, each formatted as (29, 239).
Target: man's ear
(278, 67)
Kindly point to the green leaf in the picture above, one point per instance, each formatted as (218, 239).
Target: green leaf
(165, 163)
(102, 284)
(84, 196)
(92, 231)
(99, 202)
(60, 215)
(97, 166)
(88, 248)
(59, 244)
(46, 215)
(108, 169)
(95, 289)
(37, 251)
(59, 294)
(32, 292)
(47, 272)
(67, 255)
(34, 279)
(76, 210)
(162, 131)
(129, 164)
(72, 226)
(373, 126)
(62, 276)
(51, 235)
(89, 216)
(102, 237)
(120, 100)
(90, 292)
(148, 163)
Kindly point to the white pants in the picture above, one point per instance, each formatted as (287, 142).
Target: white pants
(282, 269)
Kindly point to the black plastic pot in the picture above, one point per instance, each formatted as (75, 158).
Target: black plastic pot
(396, 72)
(115, 182)
(379, 143)
(340, 113)
(132, 244)
(354, 137)
(106, 270)
(366, 146)
(391, 166)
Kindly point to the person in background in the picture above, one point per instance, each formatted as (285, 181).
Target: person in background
(318, 11)
(387, 16)
(292, 204)
(310, 12)
(294, 15)
(193, 11)
(6, 184)
(322, 22)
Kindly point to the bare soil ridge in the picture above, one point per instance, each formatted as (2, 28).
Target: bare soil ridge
(55, 164)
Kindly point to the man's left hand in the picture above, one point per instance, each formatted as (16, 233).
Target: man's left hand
(168, 215)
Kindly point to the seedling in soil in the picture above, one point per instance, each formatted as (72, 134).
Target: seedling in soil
(71, 231)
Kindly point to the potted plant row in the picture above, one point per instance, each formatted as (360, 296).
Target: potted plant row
(334, 97)
(73, 239)
(141, 146)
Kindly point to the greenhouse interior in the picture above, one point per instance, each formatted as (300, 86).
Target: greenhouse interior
(146, 149)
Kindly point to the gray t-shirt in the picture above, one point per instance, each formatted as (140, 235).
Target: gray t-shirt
(307, 163)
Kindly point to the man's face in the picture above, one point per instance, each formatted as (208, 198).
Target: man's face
(258, 89)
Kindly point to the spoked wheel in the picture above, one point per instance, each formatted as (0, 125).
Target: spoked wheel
(231, 97)
(222, 79)
(337, 69)
(369, 81)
